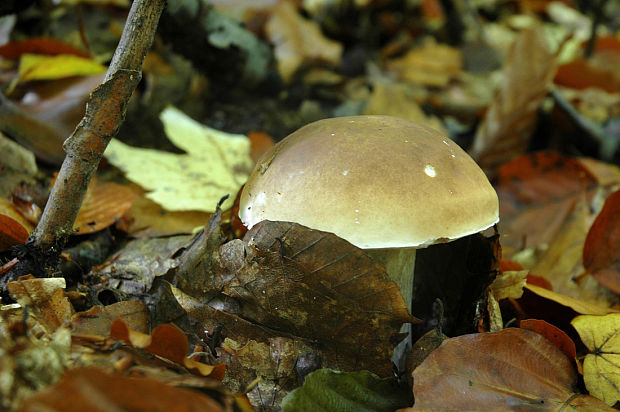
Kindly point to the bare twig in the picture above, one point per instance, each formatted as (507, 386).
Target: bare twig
(105, 111)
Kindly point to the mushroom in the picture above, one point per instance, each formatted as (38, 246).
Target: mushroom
(385, 184)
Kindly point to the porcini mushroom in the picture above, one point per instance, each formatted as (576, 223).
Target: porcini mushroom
(385, 184)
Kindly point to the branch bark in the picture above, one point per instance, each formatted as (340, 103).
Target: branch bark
(105, 111)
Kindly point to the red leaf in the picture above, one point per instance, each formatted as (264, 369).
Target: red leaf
(601, 252)
(39, 45)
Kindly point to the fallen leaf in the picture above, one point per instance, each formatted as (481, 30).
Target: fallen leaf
(506, 370)
(537, 193)
(260, 143)
(598, 71)
(10, 209)
(93, 389)
(581, 74)
(553, 334)
(11, 232)
(59, 106)
(45, 299)
(39, 45)
(507, 127)
(151, 220)
(509, 284)
(216, 165)
(601, 370)
(395, 99)
(317, 274)
(167, 341)
(606, 174)
(97, 320)
(41, 67)
(577, 305)
(331, 390)
(431, 64)
(134, 268)
(601, 252)
(298, 41)
(16, 158)
(103, 204)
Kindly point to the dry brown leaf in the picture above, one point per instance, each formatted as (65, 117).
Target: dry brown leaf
(45, 299)
(537, 193)
(601, 253)
(298, 41)
(508, 124)
(104, 204)
(506, 370)
(553, 334)
(430, 65)
(561, 262)
(91, 389)
(250, 350)
(97, 320)
(314, 285)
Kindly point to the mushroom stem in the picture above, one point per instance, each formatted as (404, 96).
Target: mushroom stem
(400, 266)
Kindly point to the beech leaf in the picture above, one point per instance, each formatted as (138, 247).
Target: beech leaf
(508, 370)
(601, 367)
(215, 164)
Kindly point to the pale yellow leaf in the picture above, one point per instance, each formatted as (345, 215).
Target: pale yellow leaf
(601, 367)
(509, 284)
(215, 164)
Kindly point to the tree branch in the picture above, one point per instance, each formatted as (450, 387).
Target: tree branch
(105, 111)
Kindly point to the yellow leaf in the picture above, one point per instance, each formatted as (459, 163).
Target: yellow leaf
(601, 367)
(509, 284)
(42, 67)
(215, 164)
(577, 305)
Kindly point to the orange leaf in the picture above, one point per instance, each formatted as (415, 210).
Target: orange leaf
(553, 334)
(166, 341)
(581, 74)
(601, 252)
(260, 143)
(39, 45)
(11, 232)
(104, 204)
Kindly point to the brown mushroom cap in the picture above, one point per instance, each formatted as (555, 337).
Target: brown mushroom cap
(376, 181)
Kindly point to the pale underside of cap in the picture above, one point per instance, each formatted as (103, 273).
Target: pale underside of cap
(376, 181)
